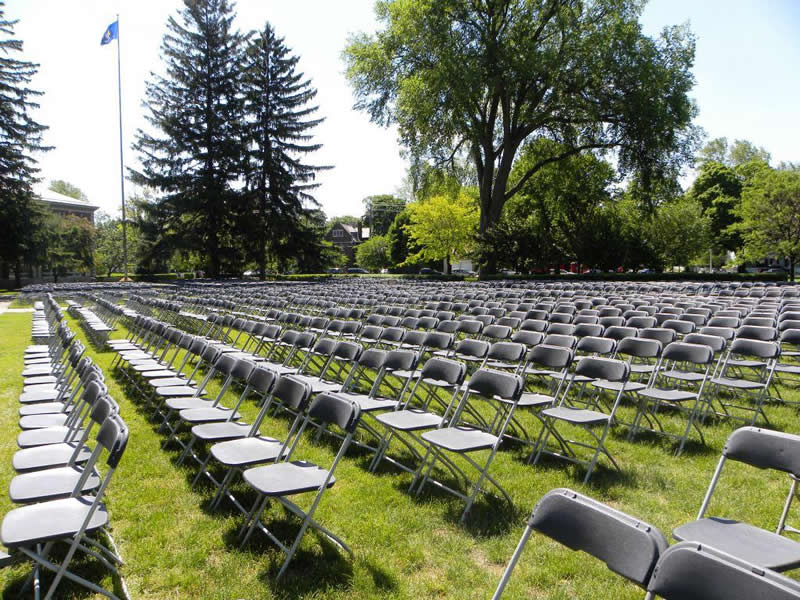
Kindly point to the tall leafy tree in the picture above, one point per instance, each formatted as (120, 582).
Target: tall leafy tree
(20, 138)
(279, 120)
(191, 155)
(770, 212)
(443, 227)
(380, 211)
(486, 75)
(732, 155)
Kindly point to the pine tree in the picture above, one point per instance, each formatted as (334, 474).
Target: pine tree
(194, 154)
(278, 117)
(20, 137)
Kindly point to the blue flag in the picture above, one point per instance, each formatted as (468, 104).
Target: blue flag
(112, 33)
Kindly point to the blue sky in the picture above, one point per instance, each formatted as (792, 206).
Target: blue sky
(746, 69)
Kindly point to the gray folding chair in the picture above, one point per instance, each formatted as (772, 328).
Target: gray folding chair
(763, 449)
(692, 571)
(33, 530)
(289, 477)
(502, 391)
(628, 546)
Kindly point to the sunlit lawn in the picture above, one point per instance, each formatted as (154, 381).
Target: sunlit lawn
(405, 547)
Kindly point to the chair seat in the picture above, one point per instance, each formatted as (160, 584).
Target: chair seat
(745, 541)
(38, 380)
(284, 478)
(576, 416)
(163, 374)
(52, 520)
(410, 420)
(174, 391)
(49, 484)
(683, 375)
(149, 366)
(742, 384)
(460, 439)
(38, 370)
(615, 386)
(37, 348)
(367, 404)
(221, 431)
(247, 451)
(318, 385)
(748, 364)
(43, 420)
(534, 400)
(33, 397)
(169, 380)
(208, 415)
(189, 402)
(43, 408)
(668, 395)
(42, 437)
(790, 369)
(46, 457)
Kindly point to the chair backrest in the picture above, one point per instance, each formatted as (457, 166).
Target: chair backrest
(261, 379)
(726, 333)
(450, 371)
(758, 348)
(553, 357)
(473, 348)
(690, 571)
(663, 335)
(757, 332)
(627, 545)
(529, 338)
(555, 339)
(685, 352)
(639, 347)
(765, 449)
(242, 369)
(588, 330)
(292, 393)
(596, 345)
(603, 368)
(113, 436)
(372, 359)
(716, 343)
(618, 333)
(510, 352)
(400, 360)
(327, 408)
(791, 336)
(490, 383)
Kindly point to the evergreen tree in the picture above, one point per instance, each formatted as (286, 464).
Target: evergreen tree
(193, 154)
(20, 136)
(279, 119)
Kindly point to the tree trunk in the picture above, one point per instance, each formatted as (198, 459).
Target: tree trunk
(791, 269)
(18, 274)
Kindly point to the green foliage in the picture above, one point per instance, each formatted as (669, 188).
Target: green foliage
(680, 231)
(739, 153)
(20, 139)
(373, 254)
(485, 77)
(189, 154)
(67, 189)
(443, 227)
(344, 219)
(109, 251)
(770, 212)
(69, 245)
(380, 212)
(278, 113)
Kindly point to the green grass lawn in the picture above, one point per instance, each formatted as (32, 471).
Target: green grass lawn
(405, 547)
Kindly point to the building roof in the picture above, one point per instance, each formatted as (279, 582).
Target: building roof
(62, 201)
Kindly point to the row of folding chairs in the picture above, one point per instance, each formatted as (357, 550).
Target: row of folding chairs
(71, 441)
(223, 439)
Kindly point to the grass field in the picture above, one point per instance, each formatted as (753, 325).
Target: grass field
(405, 547)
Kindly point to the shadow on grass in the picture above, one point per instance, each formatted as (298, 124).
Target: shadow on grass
(81, 565)
(604, 476)
(322, 567)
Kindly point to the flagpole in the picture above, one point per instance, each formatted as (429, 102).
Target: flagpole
(121, 163)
